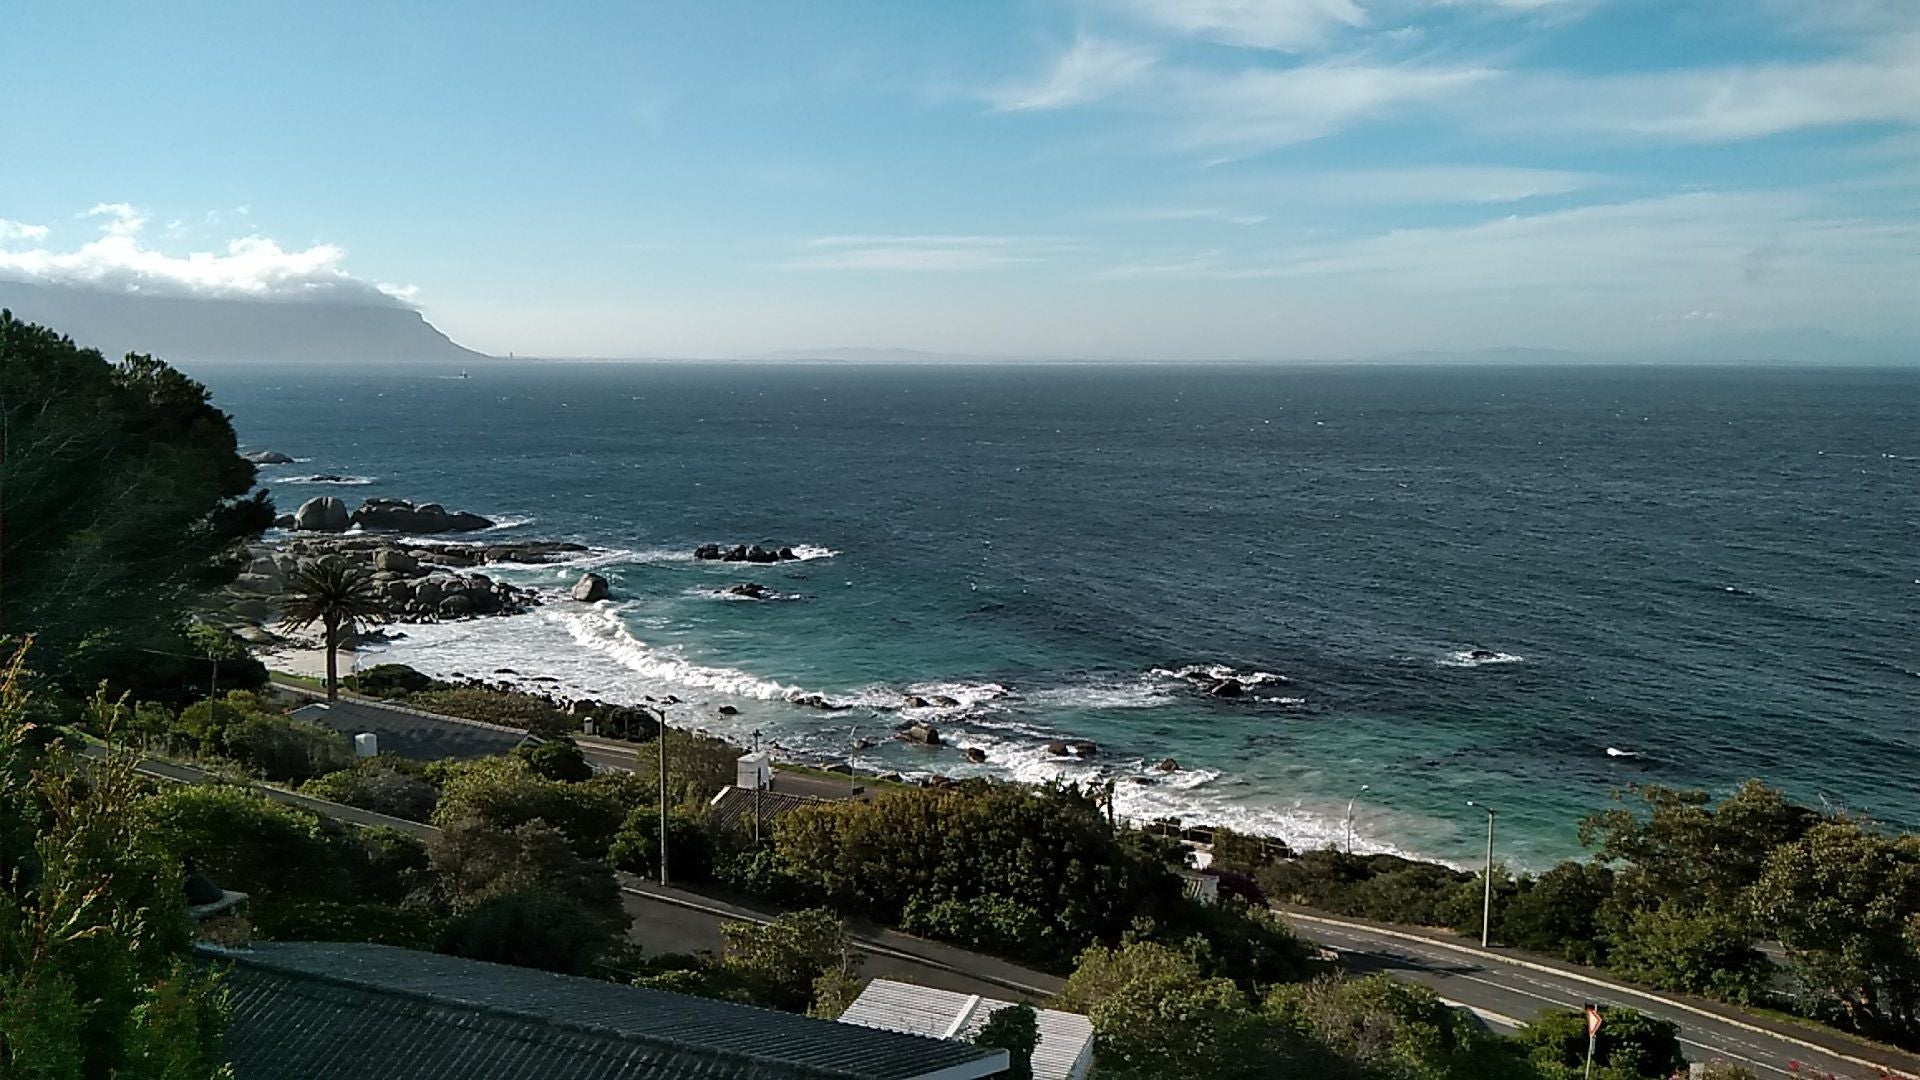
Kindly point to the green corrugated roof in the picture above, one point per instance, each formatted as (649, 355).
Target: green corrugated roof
(317, 1009)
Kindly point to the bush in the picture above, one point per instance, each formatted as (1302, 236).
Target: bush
(384, 785)
(405, 926)
(508, 708)
(285, 749)
(1630, 1042)
(1558, 912)
(505, 793)
(1016, 1030)
(1391, 1028)
(242, 840)
(988, 923)
(392, 680)
(538, 929)
(780, 962)
(1695, 953)
(558, 758)
(690, 847)
(1156, 1015)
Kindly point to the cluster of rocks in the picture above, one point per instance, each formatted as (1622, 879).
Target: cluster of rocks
(421, 584)
(935, 701)
(743, 553)
(1079, 748)
(327, 514)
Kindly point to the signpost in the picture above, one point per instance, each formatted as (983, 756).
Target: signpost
(1594, 1023)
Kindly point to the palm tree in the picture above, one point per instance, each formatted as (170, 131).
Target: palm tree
(340, 597)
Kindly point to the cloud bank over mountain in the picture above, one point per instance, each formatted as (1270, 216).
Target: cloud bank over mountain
(118, 259)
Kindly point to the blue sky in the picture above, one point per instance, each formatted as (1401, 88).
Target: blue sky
(1127, 178)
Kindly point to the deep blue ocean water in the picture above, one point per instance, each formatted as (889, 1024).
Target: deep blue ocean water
(1717, 570)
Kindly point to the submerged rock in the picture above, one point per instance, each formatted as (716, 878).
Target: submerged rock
(976, 755)
(1227, 688)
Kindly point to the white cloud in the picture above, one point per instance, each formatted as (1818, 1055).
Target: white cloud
(17, 230)
(123, 219)
(1266, 107)
(1089, 71)
(1726, 104)
(1441, 184)
(922, 252)
(1216, 214)
(250, 267)
(1287, 25)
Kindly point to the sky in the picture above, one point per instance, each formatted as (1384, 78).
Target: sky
(1061, 178)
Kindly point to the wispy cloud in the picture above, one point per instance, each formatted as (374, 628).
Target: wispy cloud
(1288, 25)
(1267, 107)
(1217, 214)
(1440, 184)
(19, 230)
(1088, 71)
(926, 252)
(1730, 103)
(249, 267)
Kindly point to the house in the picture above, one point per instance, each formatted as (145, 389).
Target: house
(410, 733)
(324, 1009)
(760, 794)
(1065, 1051)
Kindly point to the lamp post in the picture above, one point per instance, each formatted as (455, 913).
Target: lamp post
(663, 798)
(1364, 788)
(759, 786)
(1486, 909)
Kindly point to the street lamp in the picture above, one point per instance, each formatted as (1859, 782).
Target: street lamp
(1364, 788)
(1486, 910)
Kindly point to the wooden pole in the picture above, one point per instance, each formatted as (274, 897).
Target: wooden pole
(663, 799)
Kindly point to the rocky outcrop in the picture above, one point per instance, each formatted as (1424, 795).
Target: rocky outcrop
(1227, 688)
(591, 588)
(743, 553)
(818, 701)
(323, 513)
(395, 560)
(1167, 765)
(976, 755)
(268, 457)
(751, 590)
(924, 734)
(399, 515)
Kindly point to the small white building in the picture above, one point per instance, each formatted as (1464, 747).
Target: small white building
(1065, 1051)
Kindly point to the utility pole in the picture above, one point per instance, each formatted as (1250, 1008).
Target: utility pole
(759, 785)
(1486, 909)
(663, 798)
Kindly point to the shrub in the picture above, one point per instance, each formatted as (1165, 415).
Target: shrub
(508, 708)
(505, 793)
(539, 929)
(1016, 1030)
(690, 846)
(392, 680)
(1630, 1042)
(385, 785)
(558, 758)
(1558, 912)
(780, 962)
(242, 840)
(1696, 953)
(286, 749)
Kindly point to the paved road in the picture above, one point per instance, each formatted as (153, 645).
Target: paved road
(1505, 993)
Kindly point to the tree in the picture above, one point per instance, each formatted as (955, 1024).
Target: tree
(1705, 952)
(1388, 1028)
(1015, 1029)
(1156, 1015)
(556, 758)
(93, 923)
(385, 785)
(338, 595)
(1846, 904)
(1689, 852)
(125, 498)
(506, 793)
(1558, 912)
(782, 964)
(247, 842)
(522, 896)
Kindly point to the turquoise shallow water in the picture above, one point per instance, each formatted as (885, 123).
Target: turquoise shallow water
(1716, 570)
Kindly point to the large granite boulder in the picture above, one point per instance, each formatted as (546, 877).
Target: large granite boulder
(399, 515)
(268, 457)
(590, 588)
(396, 561)
(323, 513)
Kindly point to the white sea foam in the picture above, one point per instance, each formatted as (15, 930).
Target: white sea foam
(342, 481)
(1216, 672)
(1466, 658)
(810, 552)
(1136, 694)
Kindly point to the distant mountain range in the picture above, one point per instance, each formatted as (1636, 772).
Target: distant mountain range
(188, 328)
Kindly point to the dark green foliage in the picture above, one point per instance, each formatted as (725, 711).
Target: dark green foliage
(126, 499)
(1697, 952)
(386, 785)
(93, 924)
(1689, 852)
(782, 963)
(244, 841)
(697, 765)
(556, 758)
(1558, 912)
(1048, 851)
(1156, 1015)
(1631, 1043)
(287, 750)
(391, 680)
(690, 844)
(1845, 902)
(506, 793)
(1384, 887)
(1388, 1028)
(406, 926)
(1016, 1030)
(529, 929)
(508, 708)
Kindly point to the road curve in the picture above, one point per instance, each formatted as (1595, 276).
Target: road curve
(1505, 991)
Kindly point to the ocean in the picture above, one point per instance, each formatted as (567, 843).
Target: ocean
(1527, 587)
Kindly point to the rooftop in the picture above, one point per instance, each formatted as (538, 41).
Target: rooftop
(1066, 1039)
(322, 1009)
(411, 733)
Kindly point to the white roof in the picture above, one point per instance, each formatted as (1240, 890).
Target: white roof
(1066, 1039)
